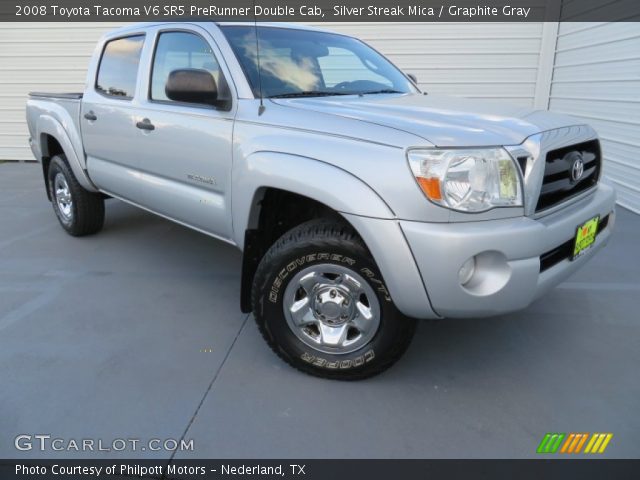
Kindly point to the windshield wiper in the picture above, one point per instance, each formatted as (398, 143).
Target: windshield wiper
(307, 93)
(377, 92)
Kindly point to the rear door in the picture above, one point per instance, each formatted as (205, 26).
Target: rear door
(108, 118)
(185, 149)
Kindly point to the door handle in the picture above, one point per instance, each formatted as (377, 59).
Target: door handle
(145, 125)
(90, 115)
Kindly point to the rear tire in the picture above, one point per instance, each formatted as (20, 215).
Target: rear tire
(322, 306)
(79, 211)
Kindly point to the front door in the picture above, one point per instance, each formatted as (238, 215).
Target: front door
(185, 149)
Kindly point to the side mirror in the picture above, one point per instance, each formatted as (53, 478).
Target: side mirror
(413, 78)
(192, 85)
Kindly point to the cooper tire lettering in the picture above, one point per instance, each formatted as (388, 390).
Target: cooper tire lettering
(338, 364)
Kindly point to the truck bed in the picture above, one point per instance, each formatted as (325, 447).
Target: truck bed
(62, 109)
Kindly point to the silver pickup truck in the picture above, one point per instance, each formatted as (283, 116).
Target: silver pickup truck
(361, 203)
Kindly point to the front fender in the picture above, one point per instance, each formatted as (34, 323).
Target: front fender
(47, 125)
(320, 181)
(345, 193)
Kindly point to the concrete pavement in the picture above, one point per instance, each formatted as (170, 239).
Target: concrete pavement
(136, 333)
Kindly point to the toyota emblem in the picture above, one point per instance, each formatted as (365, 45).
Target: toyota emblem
(577, 169)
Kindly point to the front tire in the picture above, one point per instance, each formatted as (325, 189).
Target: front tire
(79, 211)
(321, 304)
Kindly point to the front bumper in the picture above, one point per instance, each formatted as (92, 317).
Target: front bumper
(508, 270)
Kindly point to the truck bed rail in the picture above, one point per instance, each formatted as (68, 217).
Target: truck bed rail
(67, 96)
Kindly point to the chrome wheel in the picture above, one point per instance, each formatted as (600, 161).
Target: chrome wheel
(331, 308)
(63, 197)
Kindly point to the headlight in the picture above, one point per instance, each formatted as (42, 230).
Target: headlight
(473, 180)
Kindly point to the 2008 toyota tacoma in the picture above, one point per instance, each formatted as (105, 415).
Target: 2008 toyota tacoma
(361, 204)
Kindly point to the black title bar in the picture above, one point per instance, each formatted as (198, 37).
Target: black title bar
(321, 10)
(320, 469)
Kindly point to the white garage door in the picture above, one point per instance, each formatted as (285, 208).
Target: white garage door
(495, 61)
(597, 77)
(482, 60)
(49, 57)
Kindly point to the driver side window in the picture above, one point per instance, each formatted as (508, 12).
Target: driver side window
(342, 63)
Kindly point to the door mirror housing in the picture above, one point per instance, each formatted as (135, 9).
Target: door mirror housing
(413, 78)
(193, 85)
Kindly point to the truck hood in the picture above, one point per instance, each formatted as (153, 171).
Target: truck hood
(441, 120)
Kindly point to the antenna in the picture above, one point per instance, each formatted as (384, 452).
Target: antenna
(261, 108)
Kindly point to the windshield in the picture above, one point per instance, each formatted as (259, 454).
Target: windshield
(307, 63)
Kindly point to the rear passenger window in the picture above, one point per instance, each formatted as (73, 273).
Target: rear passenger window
(178, 50)
(118, 69)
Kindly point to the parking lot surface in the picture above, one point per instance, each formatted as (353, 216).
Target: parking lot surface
(136, 333)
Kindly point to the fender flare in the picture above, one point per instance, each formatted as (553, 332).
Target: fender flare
(47, 125)
(309, 177)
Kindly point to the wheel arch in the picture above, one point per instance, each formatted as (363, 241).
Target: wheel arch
(269, 219)
(54, 140)
(273, 195)
(321, 182)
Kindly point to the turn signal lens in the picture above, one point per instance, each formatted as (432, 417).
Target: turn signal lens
(430, 187)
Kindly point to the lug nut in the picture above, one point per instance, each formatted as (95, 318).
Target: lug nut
(333, 294)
